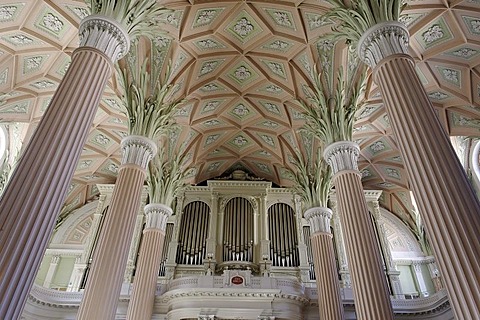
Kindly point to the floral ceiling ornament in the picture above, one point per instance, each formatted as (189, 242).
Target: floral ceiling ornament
(208, 43)
(433, 34)
(273, 88)
(33, 63)
(243, 27)
(52, 22)
(205, 16)
(210, 106)
(377, 146)
(241, 110)
(80, 12)
(437, 95)
(282, 18)
(240, 141)
(451, 75)
(465, 53)
(20, 39)
(278, 45)
(242, 73)
(271, 107)
(7, 12)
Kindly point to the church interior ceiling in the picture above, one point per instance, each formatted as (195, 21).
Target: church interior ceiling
(241, 66)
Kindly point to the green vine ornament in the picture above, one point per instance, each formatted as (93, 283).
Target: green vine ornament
(148, 98)
(137, 17)
(312, 180)
(166, 177)
(353, 18)
(331, 106)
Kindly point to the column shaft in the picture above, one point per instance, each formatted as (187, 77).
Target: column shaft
(35, 194)
(146, 275)
(445, 198)
(372, 300)
(328, 286)
(109, 261)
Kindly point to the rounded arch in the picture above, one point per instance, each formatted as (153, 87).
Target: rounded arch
(402, 242)
(284, 201)
(78, 220)
(189, 201)
(250, 199)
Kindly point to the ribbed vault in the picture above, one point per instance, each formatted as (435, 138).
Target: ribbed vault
(241, 65)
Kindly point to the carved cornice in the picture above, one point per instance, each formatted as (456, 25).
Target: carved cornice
(246, 184)
(104, 34)
(55, 298)
(370, 196)
(157, 215)
(342, 155)
(138, 150)
(319, 219)
(383, 40)
(257, 294)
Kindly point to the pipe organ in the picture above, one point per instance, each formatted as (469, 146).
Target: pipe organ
(282, 232)
(238, 230)
(193, 233)
(237, 224)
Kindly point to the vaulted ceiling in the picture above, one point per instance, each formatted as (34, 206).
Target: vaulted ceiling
(241, 65)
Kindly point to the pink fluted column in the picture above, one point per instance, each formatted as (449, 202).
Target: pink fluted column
(105, 279)
(372, 299)
(145, 282)
(446, 200)
(328, 286)
(35, 194)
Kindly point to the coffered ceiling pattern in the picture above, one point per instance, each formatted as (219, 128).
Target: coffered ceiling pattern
(241, 65)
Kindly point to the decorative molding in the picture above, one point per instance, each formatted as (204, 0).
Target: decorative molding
(250, 199)
(342, 155)
(383, 40)
(319, 219)
(138, 150)
(104, 34)
(157, 215)
(246, 184)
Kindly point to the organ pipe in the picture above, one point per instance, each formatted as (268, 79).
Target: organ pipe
(193, 235)
(308, 243)
(238, 230)
(283, 238)
(166, 242)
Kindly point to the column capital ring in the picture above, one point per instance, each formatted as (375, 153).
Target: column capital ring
(138, 150)
(319, 219)
(157, 215)
(383, 40)
(104, 34)
(342, 155)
